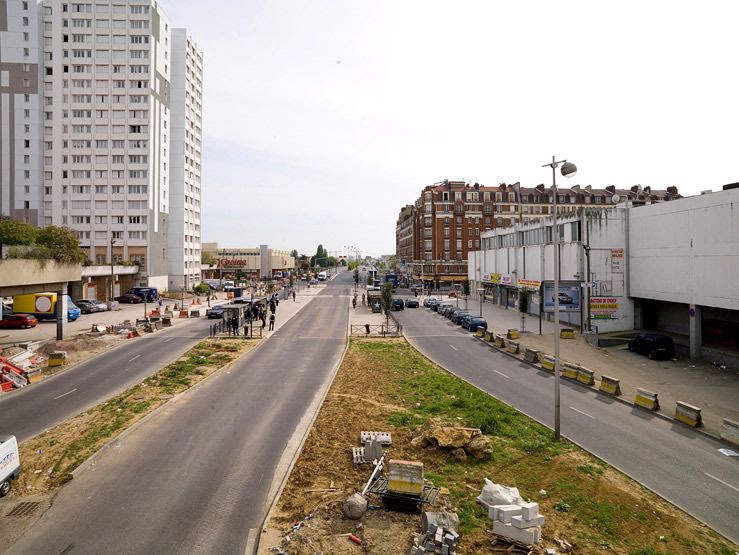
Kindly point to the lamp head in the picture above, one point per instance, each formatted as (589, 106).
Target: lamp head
(569, 169)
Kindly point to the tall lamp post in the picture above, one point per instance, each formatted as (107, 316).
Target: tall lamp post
(112, 273)
(568, 170)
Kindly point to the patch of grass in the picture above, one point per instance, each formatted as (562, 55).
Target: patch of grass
(404, 419)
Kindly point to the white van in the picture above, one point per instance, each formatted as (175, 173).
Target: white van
(10, 466)
(322, 276)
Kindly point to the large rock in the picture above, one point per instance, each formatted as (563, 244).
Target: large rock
(450, 437)
(480, 447)
(450, 521)
(355, 506)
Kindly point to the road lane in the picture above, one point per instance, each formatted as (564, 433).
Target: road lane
(200, 474)
(666, 456)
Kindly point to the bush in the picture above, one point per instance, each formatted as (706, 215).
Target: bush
(201, 288)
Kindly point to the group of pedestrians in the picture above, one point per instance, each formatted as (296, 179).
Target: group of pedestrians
(257, 312)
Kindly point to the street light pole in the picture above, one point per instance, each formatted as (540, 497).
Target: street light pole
(568, 170)
(112, 273)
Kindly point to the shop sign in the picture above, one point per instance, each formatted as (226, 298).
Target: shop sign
(617, 261)
(529, 284)
(506, 279)
(604, 308)
(495, 278)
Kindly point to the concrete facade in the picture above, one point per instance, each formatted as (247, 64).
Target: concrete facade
(256, 263)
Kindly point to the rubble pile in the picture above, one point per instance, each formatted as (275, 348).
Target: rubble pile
(458, 441)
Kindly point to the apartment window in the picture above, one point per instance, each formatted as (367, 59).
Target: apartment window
(116, 189)
(100, 189)
(101, 219)
(117, 219)
(427, 244)
(459, 244)
(137, 189)
(137, 219)
(137, 234)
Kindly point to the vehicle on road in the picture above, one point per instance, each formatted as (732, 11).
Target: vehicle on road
(88, 307)
(18, 321)
(215, 313)
(10, 463)
(411, 303)
(322, 276)
(149, 294)
(653, 345)
(129, 298)
(397, 304)
(44, 306)
(431, 303)
(457, 316)
(473, 323)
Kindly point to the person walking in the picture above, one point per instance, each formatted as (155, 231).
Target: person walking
(272, 321)
(293, 296)
(264, 320)
(354, 303)
(362, 299)
(235, 325)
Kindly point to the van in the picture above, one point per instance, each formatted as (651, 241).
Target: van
(43, 306)
(149, 294)
(322, 276)
(10, 465)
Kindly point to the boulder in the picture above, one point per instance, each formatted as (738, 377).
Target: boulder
(355, 506)
(458, 454)
(450, 437)
(480, 447)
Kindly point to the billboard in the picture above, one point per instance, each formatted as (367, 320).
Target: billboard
(569, 296)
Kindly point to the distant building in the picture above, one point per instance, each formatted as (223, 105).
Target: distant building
(250, 263)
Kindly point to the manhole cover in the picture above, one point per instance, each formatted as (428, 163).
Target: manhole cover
(24, 509)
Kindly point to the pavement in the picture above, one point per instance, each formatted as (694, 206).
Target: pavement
(362, 314)
(698, 383)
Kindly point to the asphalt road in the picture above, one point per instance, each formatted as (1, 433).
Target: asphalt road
(681, 465)
(34, 409)
(199, 476)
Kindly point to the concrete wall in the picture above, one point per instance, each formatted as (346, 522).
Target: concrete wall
(22, 276)
(687, 250)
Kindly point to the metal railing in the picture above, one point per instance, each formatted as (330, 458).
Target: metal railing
(376, 330)
(244, 329)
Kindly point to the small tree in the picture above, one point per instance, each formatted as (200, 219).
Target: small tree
(356, 277)
(59, 244)
(466, 291)
(387, 299)
(208, 258)
(13, 232)
(523, 306)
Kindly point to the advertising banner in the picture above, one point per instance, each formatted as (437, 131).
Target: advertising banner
(529, 284)
(604, 308)
(569, 296)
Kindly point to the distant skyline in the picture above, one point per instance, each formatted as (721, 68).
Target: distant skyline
(323, 118)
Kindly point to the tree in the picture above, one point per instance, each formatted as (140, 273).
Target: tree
(356, 278)
(466, 291)
(59, 244)
(303, 262)
(13, 232)
(387, 298)
(208, 258)
(523, 306)
(393, 263)
(321, 255)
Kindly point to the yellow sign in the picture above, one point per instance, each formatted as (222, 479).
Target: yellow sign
(529, 283)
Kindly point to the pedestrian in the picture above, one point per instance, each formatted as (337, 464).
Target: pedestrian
(293, 296)
(354, 302)
(160, 304)
(362, 299)
(235, 325)
(272, 322)
(264, 321)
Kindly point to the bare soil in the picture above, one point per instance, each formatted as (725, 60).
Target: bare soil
(600, 509)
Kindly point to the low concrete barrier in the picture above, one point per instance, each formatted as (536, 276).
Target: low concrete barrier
(513, 347)
(730, 431)
(166, 322)
(34, 376)
(183, 314)
(513, 334)
(688, 414)
(57, 358)
(570, 370)
(499, 341)
(195, 314)
(585, 376)
(157, 325)
(531, 355)
(547, 363)
(646, 399)
(610, 385)
(480, 332)
(489, 336)
(567, 334)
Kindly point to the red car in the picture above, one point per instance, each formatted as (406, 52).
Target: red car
(129, 298)
(18, 321)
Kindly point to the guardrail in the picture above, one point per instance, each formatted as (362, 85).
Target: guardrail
(376, 330)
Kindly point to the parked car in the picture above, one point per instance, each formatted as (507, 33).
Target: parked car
(451, 313)
(473, 323)
(444, 310)
(215, 313)
(129, 298)
(18, 321)
(653, 345)
(397, 304)
(427, 301)
(87, 307)
(411, 303)
(432, 303)
(457, 316)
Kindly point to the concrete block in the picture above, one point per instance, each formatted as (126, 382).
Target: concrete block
(529, 510)
(526, 536)
(585, 376)
(531, 355)
(439, 536)
(505, 514)
(567, 334)
(646, 399)
(730, 431)
(513, 347)
(610, 385)
(449, 539)
(432, 529)
(569, 371)
(688, 414)
(493, 510)
(547, 363)
(521, 522)
(445, 549)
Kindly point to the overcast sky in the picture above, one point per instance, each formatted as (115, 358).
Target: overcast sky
(323, 118)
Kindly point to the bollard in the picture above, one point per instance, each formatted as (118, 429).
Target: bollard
(499, 341)
(513, 334)
(688, 414)
(570, 370)
(585, 376)
(512, 347)
(567, 334)
(646, 399)
(610, 385)
(531, 355)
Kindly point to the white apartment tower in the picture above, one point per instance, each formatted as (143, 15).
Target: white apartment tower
(20, 108)
(186, 143)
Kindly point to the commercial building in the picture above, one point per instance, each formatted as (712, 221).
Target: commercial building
(249, 263)
(103, 134)
(436, 233)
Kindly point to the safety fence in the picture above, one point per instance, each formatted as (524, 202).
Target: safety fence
(247, 330)
(376, 330)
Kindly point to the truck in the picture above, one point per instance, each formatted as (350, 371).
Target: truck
(43, 306)
(10, 465)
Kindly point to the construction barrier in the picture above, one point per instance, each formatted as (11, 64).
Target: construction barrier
(489, 336)
(166, 322)
(531, 355)
(567, 334)
(585, 376)
(157, 325)
(513, 334)
(688, 414)
(499, 341)
(513, 347)
(480, 332)
(229, 295)
(609, 385)
(34, 376)
(547, 363)
(195, 314)
(646, 399)
(730, 431)
(58, 358)
(183, 313)
(570, 370)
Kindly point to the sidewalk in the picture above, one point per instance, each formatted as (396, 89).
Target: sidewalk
(363, 314)
(698, 383)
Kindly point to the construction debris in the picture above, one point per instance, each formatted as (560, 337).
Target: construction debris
(439, 538)
(512, 518)
(452, 438)
(383, 437)
(355, 506)
(405, 477)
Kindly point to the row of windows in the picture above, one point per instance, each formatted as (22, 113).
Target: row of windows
(539, 236)
(104, 219)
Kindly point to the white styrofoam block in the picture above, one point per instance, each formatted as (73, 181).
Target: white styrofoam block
(530, 510)
(520, 522)
(527, 536)
(537, 534)
(506, 513)
(493, 510)
(486, 504)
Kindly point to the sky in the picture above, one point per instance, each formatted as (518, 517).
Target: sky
(323, 118)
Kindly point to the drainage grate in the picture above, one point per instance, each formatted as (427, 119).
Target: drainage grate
(24, 509)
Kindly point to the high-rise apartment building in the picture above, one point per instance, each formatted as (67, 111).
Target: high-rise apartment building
(100, 114)
(20, 108)
(434, 235)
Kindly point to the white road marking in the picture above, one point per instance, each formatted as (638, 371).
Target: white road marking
(721, 481)
(584, 413)
(502, 374)
(168, 340)
(134, 358)
(453, 347)
(126, 369)
(67, 393)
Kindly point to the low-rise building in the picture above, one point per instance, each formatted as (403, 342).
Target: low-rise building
(251, 263)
